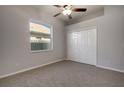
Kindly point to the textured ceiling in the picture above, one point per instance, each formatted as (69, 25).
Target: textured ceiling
(51, 10)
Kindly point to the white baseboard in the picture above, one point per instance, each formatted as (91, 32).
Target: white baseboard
(31, 68)
(109, 68)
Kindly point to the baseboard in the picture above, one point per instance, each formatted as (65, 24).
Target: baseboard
(51, 62)
(109, 68)
(31, 68)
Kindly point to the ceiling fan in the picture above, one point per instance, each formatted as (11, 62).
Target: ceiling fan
(68, 9)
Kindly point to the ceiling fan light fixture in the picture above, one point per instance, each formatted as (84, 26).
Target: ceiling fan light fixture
(67, 12)
(68, 9)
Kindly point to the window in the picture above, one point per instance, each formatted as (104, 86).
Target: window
(40, 36)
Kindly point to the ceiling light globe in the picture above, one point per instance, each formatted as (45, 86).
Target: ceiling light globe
(67, 12)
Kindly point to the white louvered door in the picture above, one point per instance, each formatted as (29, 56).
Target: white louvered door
(81, 46)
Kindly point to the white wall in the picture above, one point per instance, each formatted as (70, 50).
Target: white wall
(1, 36)
(110, 29)
(87, 17)
(15, 39)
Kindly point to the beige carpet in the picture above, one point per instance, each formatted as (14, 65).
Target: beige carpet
(65, 74)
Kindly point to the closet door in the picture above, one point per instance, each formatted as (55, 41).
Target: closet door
(72, 45)
(92, 48)
(81, 46)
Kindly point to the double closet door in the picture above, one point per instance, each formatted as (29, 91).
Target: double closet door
(81, 46)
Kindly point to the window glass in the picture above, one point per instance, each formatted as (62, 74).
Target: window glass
(40, 36)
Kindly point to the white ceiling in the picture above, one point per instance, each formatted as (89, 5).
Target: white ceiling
(51, 10)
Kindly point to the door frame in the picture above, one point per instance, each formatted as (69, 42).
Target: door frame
(87, 28)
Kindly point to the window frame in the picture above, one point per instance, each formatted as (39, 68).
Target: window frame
(51, 32)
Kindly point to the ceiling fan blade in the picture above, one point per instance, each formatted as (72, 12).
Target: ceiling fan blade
(57, 6)
(79, 9)
(65, 6)
(69, 16)
(57, 14)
